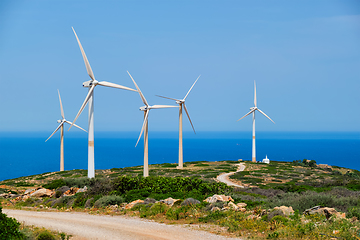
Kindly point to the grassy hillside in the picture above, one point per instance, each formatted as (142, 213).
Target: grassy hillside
(299, 184)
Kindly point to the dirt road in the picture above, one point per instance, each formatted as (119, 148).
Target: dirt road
(224, 177)
(85, 226)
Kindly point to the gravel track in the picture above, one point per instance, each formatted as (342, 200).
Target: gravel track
(224, 177)
(85, 226)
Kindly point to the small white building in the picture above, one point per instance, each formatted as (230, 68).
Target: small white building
(266, 160)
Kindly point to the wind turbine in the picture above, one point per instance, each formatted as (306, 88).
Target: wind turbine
(91, 84)
(252, 110)
(61, 127)
(144, 128)
(181, 103)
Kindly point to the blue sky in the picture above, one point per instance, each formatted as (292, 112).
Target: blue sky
(304, 56)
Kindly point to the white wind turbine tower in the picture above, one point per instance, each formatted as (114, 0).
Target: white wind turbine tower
(90, 99)
(61, 127)
(252, 110)
(144, 128)
(181, 103)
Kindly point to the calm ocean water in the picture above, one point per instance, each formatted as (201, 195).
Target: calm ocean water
(23, 154)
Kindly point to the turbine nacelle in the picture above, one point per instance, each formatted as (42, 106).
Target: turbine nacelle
(59, 121)
(143, 108)
(90, 83)
(253, 108)
(180, 101)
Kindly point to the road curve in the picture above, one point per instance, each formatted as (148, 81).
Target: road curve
(224, 177)
(85, 226)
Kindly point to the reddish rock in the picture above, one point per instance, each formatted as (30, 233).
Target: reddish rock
(133, 203)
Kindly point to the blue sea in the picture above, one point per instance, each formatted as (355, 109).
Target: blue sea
(27, 153)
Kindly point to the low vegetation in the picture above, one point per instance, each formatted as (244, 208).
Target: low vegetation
(10, 229)
(299, 184)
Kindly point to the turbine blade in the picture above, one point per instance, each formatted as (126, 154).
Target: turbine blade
(162, 106)
(113, 85)
(168, 98)
(255, 102)
(265, 115)
(55, 131)
(191, 87)
(83, 105)
(141, 95)
(75, 125)
(189, 118)
(143, 126)
(246, 115)
(87, 64)
(61, 106)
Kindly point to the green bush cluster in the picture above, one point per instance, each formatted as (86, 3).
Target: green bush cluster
(305, 163)
(337, 198)
(9, 227)
(162, 187)
(70, 182)
(108, 200)
(45, 235)
(106, 191)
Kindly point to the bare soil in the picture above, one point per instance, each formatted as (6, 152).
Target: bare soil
(85, 226)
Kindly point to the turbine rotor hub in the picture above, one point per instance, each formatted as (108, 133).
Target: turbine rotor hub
(90, 83)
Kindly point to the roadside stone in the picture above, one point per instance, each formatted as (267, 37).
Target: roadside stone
(113, 207)
(233, 206)
(71, 191)
(57, 201)
(328, 212)
(133, 203)
(218, 198)
(241, 205)
(149, 200)
(286, 210)
(275, 212)
(252, 216)
(123, 205)
(189, 201)
(88, 203)
(84, 189)
(70, 203)
(170, 201)
(28, 191)
(4, 195)
(63, 189)
(215, 209)
(42, 192)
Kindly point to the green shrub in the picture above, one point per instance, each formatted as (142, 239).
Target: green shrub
(179, 212)
(80, 200)
(27, 233)
(336, 198)
(55, 184)
(9, 227)
(140, 188)
(213, 216)
(45, 235)
(109, 200)
(79, 182)
(353, 212)
(279, 218)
